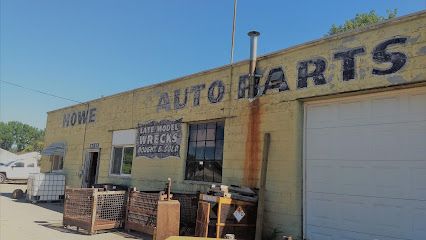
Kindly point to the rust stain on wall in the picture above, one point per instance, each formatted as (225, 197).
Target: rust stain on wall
(252, 157)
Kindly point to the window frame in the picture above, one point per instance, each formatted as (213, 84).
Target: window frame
(52, 159)
(122, 159)
(188, 142)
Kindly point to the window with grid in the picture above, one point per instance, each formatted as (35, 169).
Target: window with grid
(205, 152)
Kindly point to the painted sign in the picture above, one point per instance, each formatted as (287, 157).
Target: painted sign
(307, 70)
(314, 69)
(159, 139)
(216, 91)
(79, 117)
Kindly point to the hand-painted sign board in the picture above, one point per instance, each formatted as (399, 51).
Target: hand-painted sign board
(159, 139)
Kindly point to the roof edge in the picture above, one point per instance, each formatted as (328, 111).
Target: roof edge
(405, 18)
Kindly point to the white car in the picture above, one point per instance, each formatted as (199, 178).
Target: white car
(18, 170)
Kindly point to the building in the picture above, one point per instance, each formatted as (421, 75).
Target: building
(347, 120)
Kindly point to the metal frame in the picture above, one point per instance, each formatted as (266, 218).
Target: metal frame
(93, 209)
(141, 212)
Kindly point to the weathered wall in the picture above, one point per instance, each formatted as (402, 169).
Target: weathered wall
(277, 112)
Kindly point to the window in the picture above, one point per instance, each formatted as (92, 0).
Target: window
(122, 151)
(205, 152)
(30, 165)
(122, 158)
(18, 164)
(57, 162)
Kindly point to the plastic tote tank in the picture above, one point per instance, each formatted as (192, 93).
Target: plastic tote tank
(45, 187)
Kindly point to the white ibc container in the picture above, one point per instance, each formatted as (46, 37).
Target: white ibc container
(45, 187)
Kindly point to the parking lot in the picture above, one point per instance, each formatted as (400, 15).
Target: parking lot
(20, 219)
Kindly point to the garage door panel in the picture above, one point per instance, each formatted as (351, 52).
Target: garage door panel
(413, 141)
(365, 167)
(379, 217)
(349, 110)
(322, 177)
(354, 179)
(418, 220)
(385, 109)
(323, 209)
(321, 233)
(390, 217)
(351, 211)
(418, 182)
(384, 142)
(389, 180)
(386, 179)
(324, 116)
(361, 236)
(351, 141)
(416, 106)
(320, 147)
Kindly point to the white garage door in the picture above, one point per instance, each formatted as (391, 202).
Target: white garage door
(365, 167)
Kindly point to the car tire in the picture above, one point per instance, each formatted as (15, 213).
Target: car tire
(17, 194)
(2, 177)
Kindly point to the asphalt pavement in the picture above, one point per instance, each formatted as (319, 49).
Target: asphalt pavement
(20, 220)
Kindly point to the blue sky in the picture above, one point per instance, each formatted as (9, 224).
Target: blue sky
(87, 49)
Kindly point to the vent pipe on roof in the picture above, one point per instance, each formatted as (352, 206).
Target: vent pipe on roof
(253, 57)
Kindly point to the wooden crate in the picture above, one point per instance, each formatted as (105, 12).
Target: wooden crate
(216, 218)
(93, 209)
(148, 214)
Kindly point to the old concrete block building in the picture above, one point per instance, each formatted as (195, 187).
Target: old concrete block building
(346, 115)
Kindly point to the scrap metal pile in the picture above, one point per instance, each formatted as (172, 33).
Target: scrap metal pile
(234, 192)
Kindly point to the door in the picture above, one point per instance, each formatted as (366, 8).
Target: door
(91, 169)
(365, 167)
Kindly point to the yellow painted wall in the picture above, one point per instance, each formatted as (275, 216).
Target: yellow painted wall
(279, 113)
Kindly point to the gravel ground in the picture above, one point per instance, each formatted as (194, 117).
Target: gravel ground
(42, 221)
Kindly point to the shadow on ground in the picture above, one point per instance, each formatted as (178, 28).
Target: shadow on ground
(56, 206)
(73, 230)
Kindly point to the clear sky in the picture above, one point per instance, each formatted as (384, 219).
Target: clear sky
(83, 49)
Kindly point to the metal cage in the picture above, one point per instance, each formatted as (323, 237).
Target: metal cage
(188, 212)
(93, 209)
(142, 211)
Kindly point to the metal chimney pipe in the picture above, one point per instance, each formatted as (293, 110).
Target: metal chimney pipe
(253, 57)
